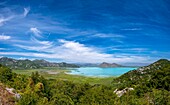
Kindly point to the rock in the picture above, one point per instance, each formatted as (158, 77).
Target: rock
(13, 92)
(6, 98)
(119, 93)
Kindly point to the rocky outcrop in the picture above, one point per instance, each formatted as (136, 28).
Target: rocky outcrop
(13, 92)
(6, 98)
(119, 93)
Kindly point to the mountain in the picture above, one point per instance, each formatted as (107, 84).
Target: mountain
(157, 71)
(44, 63)
(28, 64)
(105, 65)
(18, 64)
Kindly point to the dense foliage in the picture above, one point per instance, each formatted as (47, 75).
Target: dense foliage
(151, 87)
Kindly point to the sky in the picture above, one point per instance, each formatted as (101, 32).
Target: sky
(85, 31)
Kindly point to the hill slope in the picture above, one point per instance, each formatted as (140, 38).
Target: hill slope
(160, 70)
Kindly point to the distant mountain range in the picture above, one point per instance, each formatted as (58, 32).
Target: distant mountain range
(102, 65)
(29, 64)
(35, 64)
(107, 65)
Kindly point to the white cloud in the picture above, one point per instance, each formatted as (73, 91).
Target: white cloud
(35, 48)
(35, 45)
(46, 43)
(26, 11)
(3, 20)
(114, 37)
(4, 37)
(131, 49)
(71, 51)
(36, 32)
(71, 45)
(87, 59)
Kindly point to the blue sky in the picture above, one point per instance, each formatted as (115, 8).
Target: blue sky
(85, 31)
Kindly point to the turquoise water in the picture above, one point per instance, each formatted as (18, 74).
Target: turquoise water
(100, 72)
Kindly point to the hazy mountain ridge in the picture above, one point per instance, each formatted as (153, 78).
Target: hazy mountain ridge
(105, 65)
(28, 64)
(102, 65)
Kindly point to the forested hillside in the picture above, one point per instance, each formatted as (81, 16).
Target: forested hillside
(145, 74)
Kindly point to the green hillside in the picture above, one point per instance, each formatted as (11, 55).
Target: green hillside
(144, 74)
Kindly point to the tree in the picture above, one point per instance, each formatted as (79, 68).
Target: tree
(5, 74)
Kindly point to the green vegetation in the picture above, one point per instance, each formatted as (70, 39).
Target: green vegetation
(144, 74)
(149, 85)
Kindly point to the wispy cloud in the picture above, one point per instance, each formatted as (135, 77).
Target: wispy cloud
(72, 51)
(36, 32)
(4, 37)
(35, 45)
(132, 29)
(46, 43)
(103, 35)
(32, 48)
(131, 49)
(3, 20)
(26, 11)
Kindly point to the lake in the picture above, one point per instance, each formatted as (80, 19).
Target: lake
(100, 72)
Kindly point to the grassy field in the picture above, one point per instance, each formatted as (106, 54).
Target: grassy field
(60, 73)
